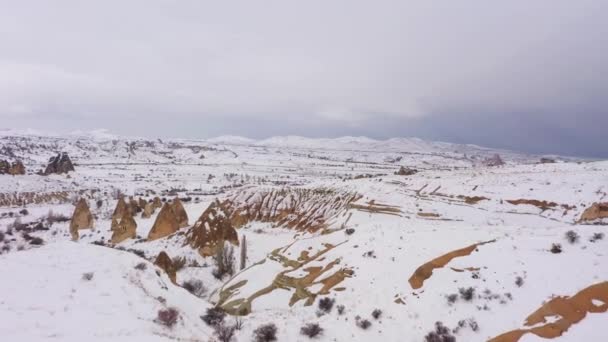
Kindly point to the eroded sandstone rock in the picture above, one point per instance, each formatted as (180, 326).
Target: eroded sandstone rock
(597, 211)
(126, 228)
(180, 213)
(211, 230)
(166, 264)
(59, 164)
(165, 224)
(81, 218)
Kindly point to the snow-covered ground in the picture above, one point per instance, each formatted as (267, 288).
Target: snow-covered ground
(365, 259)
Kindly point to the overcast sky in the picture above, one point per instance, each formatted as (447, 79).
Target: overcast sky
(529, 75)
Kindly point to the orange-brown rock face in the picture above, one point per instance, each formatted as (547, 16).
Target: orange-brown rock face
(125, 229)
(148, 211)
(180, 213)
(211, 230)
(121, 209)
(142, 203)
(597, 211)
(164, 261)
(17, 168)
(165, 224)
(157, 203)
(134, 206)
(81, 219)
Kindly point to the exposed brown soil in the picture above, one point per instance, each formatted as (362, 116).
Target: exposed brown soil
(472, 199)
(544, 205)
(377, 208)
(425, 271)
(571, 310)
(422, 214)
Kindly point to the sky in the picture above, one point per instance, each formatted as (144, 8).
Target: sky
(524, 75)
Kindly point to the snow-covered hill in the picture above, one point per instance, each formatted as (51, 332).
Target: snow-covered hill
(493, 253)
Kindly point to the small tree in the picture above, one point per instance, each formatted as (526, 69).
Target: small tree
(224, 261)
(244, 252)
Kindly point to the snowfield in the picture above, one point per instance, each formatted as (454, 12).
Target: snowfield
(478, 248)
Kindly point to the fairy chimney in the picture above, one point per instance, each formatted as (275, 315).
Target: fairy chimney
(59, 164)
(82, 217)
(126, 228)
(157, 203)
(148, 211)
(165, 224)
(166, 264)
(180, 213)
(211, 230)
(121, 209)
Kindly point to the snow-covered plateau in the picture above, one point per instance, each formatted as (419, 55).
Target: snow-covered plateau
(347, 239)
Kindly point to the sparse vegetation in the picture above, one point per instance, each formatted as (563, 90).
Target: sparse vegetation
(167, 317)
(467, 294)
(311, 330)
(326, 304)
(376, 313)
(224, 262)
(572, 236)
(364, 323)
(349, 231)
(224, 333)
(597, 237)
(87, 276)
(440, 334)
(214, 316)
(452, 298)
(1, 236)
(556, 248)
(340, 309)
(265, 333)
(52, 218)
(519, 281)
(141, 266)
(195, 286)
(179, 263)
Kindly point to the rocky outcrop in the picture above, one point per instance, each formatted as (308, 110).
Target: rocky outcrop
(406, 171)
(299, 209)
(211, 230)
(157, 203)
(59, 164)
(142, 203)
(166, 223)
(148, 211)
(15, 168)
(121, 209)
(125, 228)
(134, 206)
(166, 264)
(596, 212)
(495, 160)
(81, 218)
(179, 212)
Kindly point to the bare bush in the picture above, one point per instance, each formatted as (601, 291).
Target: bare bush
(364, 324)
(224, 333)
(224, 262)
(195, 286)
(556, 248)
(519, 281)
(326, 304)
(597, 237)
(141, 266)
(87, 276)
(36, 241)
(376, 313)
(311, 330)
(265, 333)
(179, 263)
(1, 236)
(214, 316)
(440, 334)
(572, 236)
(52, 218)
(340, 309)
(452, 298)
(467, 293)
(349, 231)
(167, 317)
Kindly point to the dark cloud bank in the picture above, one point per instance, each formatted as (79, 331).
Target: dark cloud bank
(522, 75)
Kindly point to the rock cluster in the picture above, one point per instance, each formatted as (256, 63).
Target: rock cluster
(81, 219)
(123, 225)
(406, 171)
(59, 164)
(495, 160)
(14, 168)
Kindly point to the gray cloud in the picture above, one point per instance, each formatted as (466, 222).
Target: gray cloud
(517, 74)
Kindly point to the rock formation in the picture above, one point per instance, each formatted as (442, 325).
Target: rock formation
(134, 206)
(406, 171)
(597, 211)
(126, 228)
(142, 203)
(59, 164)
(180, 213)
(165, 224)
(15, 168)
(81, 219)
(164, 261)
(121, 208)
(157, 203)
(211, 230)
(495, 160)
(148, 211)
